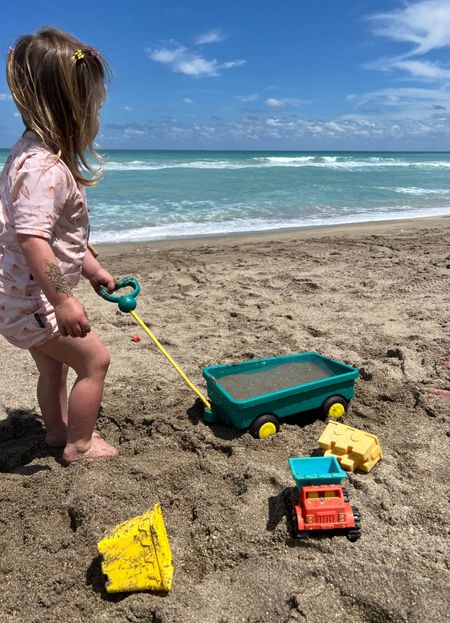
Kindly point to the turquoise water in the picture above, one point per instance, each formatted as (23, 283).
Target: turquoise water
(150, 195)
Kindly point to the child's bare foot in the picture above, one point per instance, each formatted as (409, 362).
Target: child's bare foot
(442, 393)
(97, 449)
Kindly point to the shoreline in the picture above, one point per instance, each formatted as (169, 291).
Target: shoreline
(312, 231)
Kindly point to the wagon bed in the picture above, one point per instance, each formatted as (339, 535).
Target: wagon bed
(277, 386)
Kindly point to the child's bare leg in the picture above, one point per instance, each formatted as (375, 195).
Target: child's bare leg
(52, 397)
(90, 360)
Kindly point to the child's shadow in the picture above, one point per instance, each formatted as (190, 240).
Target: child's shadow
(22, 439)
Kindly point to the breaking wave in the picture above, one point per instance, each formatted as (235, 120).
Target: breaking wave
(323, 162)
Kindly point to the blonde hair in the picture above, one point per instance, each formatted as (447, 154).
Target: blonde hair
(58, 84)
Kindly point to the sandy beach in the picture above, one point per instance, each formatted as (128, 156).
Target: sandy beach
(375, 296)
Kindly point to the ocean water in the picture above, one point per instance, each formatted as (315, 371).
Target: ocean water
(151, 195)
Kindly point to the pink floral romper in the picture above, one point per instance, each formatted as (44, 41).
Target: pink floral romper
(38, 196)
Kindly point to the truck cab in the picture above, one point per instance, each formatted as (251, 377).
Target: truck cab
(323, 507)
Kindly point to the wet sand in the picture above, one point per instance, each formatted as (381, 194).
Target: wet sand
(261, 382)
(375, 296)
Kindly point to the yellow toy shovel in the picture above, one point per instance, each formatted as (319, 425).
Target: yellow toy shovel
(136, 554)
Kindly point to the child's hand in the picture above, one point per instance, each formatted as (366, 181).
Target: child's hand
(103, 278)
(71, 318)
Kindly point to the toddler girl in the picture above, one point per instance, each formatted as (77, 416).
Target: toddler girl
(58, 84)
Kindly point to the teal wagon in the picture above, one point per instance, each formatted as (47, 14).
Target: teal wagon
(257, 394)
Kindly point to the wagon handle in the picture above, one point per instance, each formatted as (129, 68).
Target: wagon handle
(127, 303)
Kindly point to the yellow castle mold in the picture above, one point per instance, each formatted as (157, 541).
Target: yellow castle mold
(353, 448)
(136, 554)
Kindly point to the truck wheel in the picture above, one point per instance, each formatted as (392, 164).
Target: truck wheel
(353, 534)
(264, 426)
(334, 407)
(291, 515)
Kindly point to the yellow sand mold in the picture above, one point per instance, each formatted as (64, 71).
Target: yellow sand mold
(136, 554)
(353, 448)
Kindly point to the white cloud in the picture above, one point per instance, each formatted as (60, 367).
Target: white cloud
(163, 55)
(187, 100)
(247, 98)
(189, 62)
(424, 24)
(197, 67)
(335, 127)
(212, 36)
(128, 109)
(5, 97)
(408, 102)
(422, 69)
(275, 103)
(231, 64)
(418, 69)
(338, 132)
(134, 132)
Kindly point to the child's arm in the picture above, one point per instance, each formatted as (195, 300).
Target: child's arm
(70, 314)
(94, 272)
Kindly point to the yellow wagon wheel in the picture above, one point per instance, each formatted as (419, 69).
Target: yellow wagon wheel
(265, 426)
(334, 407)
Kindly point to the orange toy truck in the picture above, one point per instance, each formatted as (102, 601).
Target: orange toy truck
(318, 502)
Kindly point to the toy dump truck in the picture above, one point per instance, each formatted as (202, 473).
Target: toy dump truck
(318, 502)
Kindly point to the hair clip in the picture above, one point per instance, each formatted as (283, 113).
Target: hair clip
(11, 50)
(78, 55)
(94, 53)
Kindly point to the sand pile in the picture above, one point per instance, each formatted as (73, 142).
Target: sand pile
(377, 298)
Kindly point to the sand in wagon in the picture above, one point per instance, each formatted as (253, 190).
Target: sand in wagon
(242, 386)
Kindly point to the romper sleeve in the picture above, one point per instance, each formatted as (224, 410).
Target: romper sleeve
(40, 192)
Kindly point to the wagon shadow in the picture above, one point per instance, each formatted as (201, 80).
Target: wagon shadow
(227, 432)
(222, 431)
(304, 418)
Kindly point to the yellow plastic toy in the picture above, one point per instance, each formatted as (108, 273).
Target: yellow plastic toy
(136, 554)
(353, 448)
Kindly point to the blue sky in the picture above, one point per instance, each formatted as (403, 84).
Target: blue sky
(258, 74)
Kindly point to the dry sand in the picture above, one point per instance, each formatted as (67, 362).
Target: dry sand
(374, 296)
